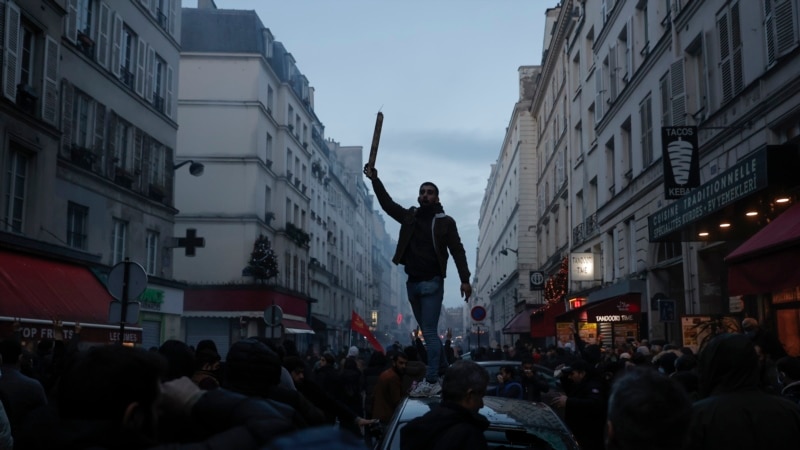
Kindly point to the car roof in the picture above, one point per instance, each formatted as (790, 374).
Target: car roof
(501, 411)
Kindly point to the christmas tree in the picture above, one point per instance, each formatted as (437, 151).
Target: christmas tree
(263, 263)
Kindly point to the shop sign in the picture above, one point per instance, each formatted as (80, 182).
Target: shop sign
(736, 183)
(582, 266)
(681, 161)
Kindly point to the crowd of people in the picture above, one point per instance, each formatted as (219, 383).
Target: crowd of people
(266, 394)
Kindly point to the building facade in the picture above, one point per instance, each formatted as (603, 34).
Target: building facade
(89, 97)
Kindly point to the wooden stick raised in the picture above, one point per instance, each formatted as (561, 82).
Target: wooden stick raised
(376, 138)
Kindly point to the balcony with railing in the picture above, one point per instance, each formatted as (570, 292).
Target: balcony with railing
(158, 103)
(585, 230)
(127, 77)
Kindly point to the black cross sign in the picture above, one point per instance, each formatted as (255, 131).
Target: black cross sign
(191, 241)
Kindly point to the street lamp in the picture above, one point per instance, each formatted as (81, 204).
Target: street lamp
(505, 251)
(195, 169)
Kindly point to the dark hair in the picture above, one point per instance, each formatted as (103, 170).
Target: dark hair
(292, 363)
(206, 344)
(10, 351)
(428, 183)
(101, 382)
(180, 359)
(509, 369)
(400, 354)
(644, 403)
(462, 376)
(251, 368)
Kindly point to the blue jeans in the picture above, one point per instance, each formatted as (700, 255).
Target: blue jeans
(426, 303)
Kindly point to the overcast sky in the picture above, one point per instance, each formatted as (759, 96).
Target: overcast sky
(444, 74)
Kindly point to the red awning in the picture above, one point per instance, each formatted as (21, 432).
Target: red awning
(768, 261)
(296, 327)
(43, 289)
(219, 301)
(36, 291)
(519, 324)
(621, 305)
(543, 320)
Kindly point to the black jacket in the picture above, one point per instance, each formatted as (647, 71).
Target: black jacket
(445, 426)
(222, 420)
(735, 413)
(445, 233)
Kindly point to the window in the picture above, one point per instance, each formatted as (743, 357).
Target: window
(666, 114)
(157, 164)
(270, 99)
(646, 121)
(611, 166)
(122, 149)
(697, 77)
(730, 51)
(27, 49)
(780, 28)
(627, 148)
(289, 117)
(83, 120)
(119, 237)
(159, 85)
(127, 56)
(151, 264)
(77, 217)
(268, 155)
(84, 16)
(15, 189)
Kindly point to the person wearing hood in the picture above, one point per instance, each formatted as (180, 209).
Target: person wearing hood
(427, 238)
(733, 413)
(455, 422)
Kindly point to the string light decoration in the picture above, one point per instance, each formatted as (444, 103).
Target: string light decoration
(263, 263)
(555, 288)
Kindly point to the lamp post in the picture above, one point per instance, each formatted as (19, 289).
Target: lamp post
(195, 169)
(504, 251)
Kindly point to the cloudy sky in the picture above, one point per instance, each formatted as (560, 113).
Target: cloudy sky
(444, 74)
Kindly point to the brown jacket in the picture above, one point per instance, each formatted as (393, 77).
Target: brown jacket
(388, 394)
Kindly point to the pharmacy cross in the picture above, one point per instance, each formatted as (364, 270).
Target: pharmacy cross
(191, 241)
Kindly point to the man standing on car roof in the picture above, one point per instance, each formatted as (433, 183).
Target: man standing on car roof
(427, 238)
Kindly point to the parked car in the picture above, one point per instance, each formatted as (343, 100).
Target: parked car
(493, 367)
(512, 424)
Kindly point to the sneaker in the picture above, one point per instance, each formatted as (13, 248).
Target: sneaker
(426, 389)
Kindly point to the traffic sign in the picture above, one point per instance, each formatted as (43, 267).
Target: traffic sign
(136, 280)
(478, 313)
(273, 315)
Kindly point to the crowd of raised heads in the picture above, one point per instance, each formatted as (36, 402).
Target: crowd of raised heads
(262, 393)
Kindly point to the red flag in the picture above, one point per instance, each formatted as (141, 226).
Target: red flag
(359, 326)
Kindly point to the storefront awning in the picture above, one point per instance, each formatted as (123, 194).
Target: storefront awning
(620, 308)
(543, 320)
(35, 291)
(768, 261)
(519, 324)
(296, 327)
(324, 323)
(237, 301)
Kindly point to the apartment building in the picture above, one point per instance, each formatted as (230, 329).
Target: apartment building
(247, 114)
(633, 242)
(89, 131)
(507, 250)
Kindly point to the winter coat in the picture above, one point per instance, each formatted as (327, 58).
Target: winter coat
(735, 413)
(225, 419)
(446, 426)
(445, 233)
